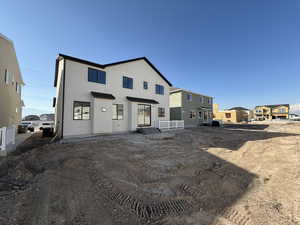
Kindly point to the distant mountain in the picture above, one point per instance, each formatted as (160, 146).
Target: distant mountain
(295, 109)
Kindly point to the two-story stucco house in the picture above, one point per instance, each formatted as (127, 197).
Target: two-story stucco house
(94, 98)
(11, 83)
(195, 109)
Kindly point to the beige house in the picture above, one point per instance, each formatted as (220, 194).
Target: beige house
(94, 98)
(233, 115)
(11, 83)
(195, 109)
(269, 112)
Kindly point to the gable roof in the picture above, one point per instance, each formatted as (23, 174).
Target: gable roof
(103, 66)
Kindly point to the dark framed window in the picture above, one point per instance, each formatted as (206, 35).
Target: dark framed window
(127, 82)
(200, 115)
(81, 110)
(145, 84)
(189, 97)
(117, 112)
(159, 89)
(192, 114)
(228, 115)
(97, 76)
(161, 112)
(6, 76)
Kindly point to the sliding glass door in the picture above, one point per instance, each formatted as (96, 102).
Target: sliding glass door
(144, 115)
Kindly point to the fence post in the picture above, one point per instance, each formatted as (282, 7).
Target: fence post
(3, 147)
(14, 134)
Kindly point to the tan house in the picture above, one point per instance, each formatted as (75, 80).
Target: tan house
(233, 115)
(11, 83)
(269, 112)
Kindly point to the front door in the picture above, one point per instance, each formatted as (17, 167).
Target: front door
(144, 115)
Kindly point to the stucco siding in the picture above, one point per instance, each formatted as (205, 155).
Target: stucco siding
(77, 88)
(10, 99)
(197, 103)
(175, 99)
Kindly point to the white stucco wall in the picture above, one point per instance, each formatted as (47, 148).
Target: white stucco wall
(77, 88)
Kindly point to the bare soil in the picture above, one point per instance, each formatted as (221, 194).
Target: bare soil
(236, 175)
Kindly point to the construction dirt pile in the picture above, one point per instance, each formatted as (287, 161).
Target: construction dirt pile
(236, 175)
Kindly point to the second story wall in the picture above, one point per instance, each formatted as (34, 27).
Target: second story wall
(175, 99)
(10, 84)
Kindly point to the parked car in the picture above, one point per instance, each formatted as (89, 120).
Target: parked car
(22, 128)
(46, 125)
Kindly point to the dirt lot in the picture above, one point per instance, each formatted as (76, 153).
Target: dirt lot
(236, 175)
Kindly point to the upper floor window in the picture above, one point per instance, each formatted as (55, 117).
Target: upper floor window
(96, 76)
(159, 89)
(6, 76)
(189, 97)
(81, 110)
(127, 82)
(145, 84)
(161, 112)
(117, 112)
(282, 110)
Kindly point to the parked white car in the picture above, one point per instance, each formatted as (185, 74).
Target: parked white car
(46, 124)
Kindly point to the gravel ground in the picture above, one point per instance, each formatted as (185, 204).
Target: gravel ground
(236, 175)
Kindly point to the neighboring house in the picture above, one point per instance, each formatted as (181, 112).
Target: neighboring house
(193, 108)
(269, 112)
(11, 83)
(233, 115)
(96, 98)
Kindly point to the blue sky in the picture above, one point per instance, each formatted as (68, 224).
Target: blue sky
(243, 53)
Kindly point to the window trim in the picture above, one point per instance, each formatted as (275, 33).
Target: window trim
(82, 110)
(117, 107)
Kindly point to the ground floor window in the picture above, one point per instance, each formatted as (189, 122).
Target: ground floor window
(200, 115)
(144, 115)
(192, 114)
(117, 112)
(228, 115)
(161, 112)
(81, 110)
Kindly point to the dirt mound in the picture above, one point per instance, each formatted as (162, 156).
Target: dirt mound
(196, 176)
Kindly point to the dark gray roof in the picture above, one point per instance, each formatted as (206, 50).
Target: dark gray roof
(102, 95)
(239, 108)
(142, 100)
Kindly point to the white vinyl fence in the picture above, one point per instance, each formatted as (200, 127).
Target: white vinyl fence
(173, 124)
(7, 137)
